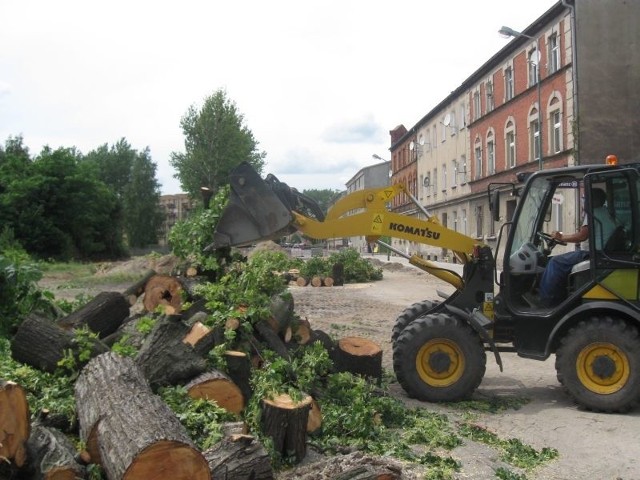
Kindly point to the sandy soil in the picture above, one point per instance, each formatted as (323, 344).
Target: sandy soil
(591, 445)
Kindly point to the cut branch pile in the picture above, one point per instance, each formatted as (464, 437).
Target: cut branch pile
(125, 427)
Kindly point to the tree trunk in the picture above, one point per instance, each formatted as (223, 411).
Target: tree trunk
(360, 356)
(141, 438)
(239, 370)
(163, 291)
(240, 457)
(337, 273)
(52, 456)
(271, 339)
(285, 421)
(103, 314)
(103, 382)
(132, 293)
(165, 358)
(41, 343)
(15, 425)
(216, 386)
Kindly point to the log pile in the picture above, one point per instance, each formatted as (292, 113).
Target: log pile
(125, 426)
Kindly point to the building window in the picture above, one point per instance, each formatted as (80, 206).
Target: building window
(454, 173)
(534, 139)
(476, 105)
(489, 93)
(464, 221)
(510, 144)
(463, 168)
(556, 138)
(479, 222)
(435, 136)
(463, 116)
(508, 83)
(478, 154)
(434, 178)
(533, 67)
(554, 53)
(455, 220)
(444, 177)
(491, 157)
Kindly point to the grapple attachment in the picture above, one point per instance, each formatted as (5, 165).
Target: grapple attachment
(258, 209)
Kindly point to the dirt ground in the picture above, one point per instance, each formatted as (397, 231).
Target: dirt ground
(590, 445)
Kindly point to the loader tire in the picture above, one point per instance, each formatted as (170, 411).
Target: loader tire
(598, 363)
(409, 315)
(439, 358)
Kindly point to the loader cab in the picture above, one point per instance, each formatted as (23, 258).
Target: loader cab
(561, 200)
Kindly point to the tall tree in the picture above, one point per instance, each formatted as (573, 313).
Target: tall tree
(113, 164)
(142, 214)
(216, 140)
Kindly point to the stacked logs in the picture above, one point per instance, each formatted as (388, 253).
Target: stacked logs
(125, 426)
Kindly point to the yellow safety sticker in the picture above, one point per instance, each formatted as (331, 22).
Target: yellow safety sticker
(376, 225)
(387, 193)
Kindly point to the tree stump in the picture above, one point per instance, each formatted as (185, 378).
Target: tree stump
(239, 371)
(141, 438)
(216, 386)
(285, 421)
(239, 457)
(103, 382)
(15, 424)
(163, 291)
(337, 273)
(52, 456)
(102, 315)
(165, 358)
(359, 356)
(41, 343)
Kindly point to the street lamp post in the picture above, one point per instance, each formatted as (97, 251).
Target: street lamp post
(510, 32)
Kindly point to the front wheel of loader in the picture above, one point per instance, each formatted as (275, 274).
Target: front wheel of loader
(598, 363)
(410, 314)
(439, 358)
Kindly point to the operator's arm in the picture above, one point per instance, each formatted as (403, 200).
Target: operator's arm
(580, 236)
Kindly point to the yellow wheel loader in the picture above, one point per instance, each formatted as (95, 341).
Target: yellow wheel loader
(439, 346)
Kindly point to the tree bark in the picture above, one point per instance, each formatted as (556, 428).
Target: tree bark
(240, 457)
(102, 383)
(337, 273)
(15, 424)
(52, 456)
(216, 386)
(239, 370)
(102, 315)
(41, 343)
(271, 339)
(165, 358)
(359, 356)
(285, 421)
(141, 438)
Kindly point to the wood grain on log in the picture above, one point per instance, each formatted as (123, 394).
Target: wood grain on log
(327, 281)
(285, 421)
(360, 356)
(302, 331)
(103, 314)
(141, 438)
(240, 457)
(316, 281)
(15, 426)
(302, 282)
(216, 386)
(52, 456)
(195, 334)
(134, 291)
(163, 291)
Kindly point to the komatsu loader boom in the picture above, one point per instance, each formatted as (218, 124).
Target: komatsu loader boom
(439, 347)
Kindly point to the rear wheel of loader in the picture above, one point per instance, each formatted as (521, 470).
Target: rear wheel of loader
(409, 315)
(598, 363)
(439, 358)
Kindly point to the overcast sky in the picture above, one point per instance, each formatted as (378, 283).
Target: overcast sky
(320, 83)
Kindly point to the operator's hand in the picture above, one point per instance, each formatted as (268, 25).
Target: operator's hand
(556, 235)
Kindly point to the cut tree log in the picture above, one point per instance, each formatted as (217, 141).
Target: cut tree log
(316, 281)
(52, 456)
(302, 331)
(239, 371)
(196, 333)
(314, 424)
(337, 273)
(132, 293)
(15, 425)
(165, 358)
(327, 281)
(163, 291)
(354, 466)
(141, 438)
(271, 339)
(285, 421)
(103, 382)
(102, 315)
(42, 344)
(239, 457)
(302, 282)
(216, 386)
(360, 356)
